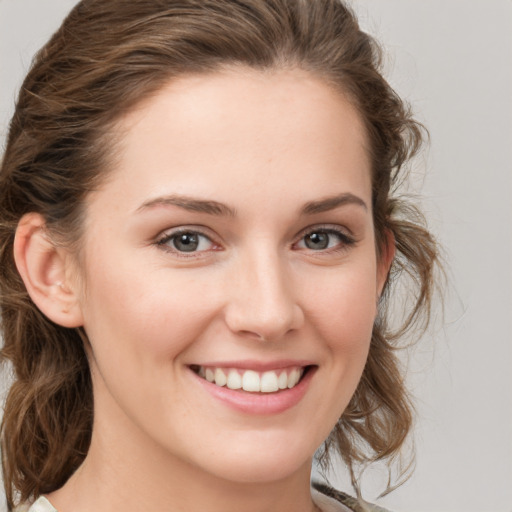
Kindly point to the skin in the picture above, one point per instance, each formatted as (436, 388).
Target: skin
(264, 145)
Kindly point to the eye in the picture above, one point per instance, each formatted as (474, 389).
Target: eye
(186, 241)
(322, 239)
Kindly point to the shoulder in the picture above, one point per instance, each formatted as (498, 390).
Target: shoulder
(328, 499)
(40, 505)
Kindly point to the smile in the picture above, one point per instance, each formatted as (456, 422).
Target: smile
(250, 380)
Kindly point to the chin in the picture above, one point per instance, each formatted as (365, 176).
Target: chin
(260, 460)
(260, 470)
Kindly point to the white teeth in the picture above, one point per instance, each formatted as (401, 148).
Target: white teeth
(293, 378)
(220, 377)
(282, 381)
(252, 381)
(268, 383)
(234, 380)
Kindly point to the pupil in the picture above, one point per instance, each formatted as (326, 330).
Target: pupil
(187, 242)
(317, 241)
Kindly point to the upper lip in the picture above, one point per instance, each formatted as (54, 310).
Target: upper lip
(260, 366)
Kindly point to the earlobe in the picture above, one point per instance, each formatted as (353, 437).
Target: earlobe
(44, 268)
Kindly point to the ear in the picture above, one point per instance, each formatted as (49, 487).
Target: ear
(45, 270)
(386, 257)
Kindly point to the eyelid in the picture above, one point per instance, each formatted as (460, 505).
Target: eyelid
(168, 234)
(342, 230)
(345, 235)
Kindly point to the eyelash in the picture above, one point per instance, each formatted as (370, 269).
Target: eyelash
(167, 238)
(345, 241)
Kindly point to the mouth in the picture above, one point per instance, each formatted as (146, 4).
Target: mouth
(251, 381)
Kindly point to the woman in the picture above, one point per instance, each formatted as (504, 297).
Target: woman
(198, 242)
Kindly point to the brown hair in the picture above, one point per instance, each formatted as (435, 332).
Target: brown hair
(107, 56)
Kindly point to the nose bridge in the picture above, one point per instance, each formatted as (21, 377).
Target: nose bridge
(263, 300)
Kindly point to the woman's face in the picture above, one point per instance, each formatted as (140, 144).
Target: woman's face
(233, 242)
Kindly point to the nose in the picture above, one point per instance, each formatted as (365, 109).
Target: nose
(263, 300)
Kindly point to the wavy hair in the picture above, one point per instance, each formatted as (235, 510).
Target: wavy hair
(107, 56)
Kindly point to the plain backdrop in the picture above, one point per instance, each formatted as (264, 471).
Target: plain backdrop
(452, 59)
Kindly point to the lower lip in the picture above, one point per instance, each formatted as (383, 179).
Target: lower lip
(259, 403)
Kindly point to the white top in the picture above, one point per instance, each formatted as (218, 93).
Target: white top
(40, 505)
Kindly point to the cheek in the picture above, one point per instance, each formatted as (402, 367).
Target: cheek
(150, 318)
(344, 316)
(345, 307)
(139, 327)
(137, 312)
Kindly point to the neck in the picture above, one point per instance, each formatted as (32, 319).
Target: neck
(127, 472)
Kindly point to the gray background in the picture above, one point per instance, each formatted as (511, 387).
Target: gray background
(453, 60)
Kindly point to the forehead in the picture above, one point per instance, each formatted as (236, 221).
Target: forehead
(243, 130)
(243, 97)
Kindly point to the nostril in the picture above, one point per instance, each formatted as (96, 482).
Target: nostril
(255, 335)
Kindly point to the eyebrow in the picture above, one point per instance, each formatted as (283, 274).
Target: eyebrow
(332, 202)
(191, 204)
(215, 208)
